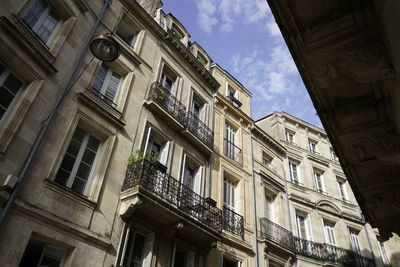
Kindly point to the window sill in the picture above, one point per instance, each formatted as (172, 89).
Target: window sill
(70, 194)
(96, 103)
(32, 41)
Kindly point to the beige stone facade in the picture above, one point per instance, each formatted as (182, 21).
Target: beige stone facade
(153, 159)
(324, 215)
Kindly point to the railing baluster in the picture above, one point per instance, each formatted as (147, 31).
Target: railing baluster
(154, 179)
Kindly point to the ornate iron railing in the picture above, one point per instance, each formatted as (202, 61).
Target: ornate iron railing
(199, 129)
(168, 102)
(232, 151)
(233, 222)
(153, 178)
(276, 233)
(326, 252)
(234, 100)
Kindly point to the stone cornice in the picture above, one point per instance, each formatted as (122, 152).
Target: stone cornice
(181, 50)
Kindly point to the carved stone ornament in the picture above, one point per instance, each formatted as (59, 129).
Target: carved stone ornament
(128, 207)
(365, 62)
(382, 144)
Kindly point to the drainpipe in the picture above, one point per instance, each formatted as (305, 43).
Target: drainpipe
(254, 198)
(47, 122)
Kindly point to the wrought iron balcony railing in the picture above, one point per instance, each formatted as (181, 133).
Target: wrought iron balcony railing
(199, 129)
(234, 100)
(233, 222)
(163, 97)
(232, 151)
(168, 102)
(317, 251)
(152, 178)
(326, 252)
(276, 233)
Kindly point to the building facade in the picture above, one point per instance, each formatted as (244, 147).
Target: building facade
(325, 222)
(152, 159)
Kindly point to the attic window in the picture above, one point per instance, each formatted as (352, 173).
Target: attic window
(177, 32)
(202, 59)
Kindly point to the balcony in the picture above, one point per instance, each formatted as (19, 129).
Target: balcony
(200, 130)
(326, 252)
(232, 151)
(168, 106)
(168, 200)
(168, 102)
(317, 251)
(277, 234)
(234, 101)
(233, 222)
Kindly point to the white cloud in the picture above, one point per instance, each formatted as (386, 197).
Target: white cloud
(206, 18)
(226, 12)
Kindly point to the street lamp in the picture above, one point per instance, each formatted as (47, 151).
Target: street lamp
(104, 47)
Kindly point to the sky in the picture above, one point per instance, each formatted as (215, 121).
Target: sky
(243, 38)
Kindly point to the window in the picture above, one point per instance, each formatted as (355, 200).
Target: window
(293, 172)
(9, 88)
(137, 249)
(230, 142)
(384, 254)
(42, 20)
(303, 226)
(329, 233)
(78, 161)
(127, 31)
(229, 263)
(355, 244)
(229, 194)
(198, 107)
(183, 258)
(342, 190)
(158, 145)
(168, 79)
(202, 59)
(318, 182)
(192, 176)
(289, 137)
(177, 32)
(313, 147)
(333, 155)
(107, 84)
(269, 212)
(42, 253)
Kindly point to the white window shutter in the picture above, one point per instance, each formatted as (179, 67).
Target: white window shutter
(183, 168)
(148, 250)
(198, 180)
(190, 259)
(100, 77)
(147, 140)
(308, 228)
(113, 85)
(125, 244)
(164, 153)
(236, 94)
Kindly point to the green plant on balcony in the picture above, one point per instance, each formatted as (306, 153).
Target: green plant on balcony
(140, 155)
(160, 93)
(348, 259)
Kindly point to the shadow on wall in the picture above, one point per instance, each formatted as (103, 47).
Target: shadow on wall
(395, 259)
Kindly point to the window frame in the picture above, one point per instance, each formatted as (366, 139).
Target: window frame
(294, 173)
(228, 196)
(354, 241)
(329, 232)
(312, 146)
(289, 137)
(343, 194)
(42, 19)
(319, 182)
(383, 251)
(3, 78)
(307, 225)
(78, 161)
(105, 84)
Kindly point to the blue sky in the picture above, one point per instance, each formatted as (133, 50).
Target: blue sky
(242, 37)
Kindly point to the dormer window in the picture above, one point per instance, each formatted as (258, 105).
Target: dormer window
(202, 59)
(177, 32)
(233, 96)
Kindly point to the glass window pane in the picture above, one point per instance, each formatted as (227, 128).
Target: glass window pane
(101, 76)
(93, 143)
(13, 84)
(6, 97)
(33, 14)
(68, 162)
(79, 134)
(62, 177)
(78, 185)
(137, 254)
(83, 171)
